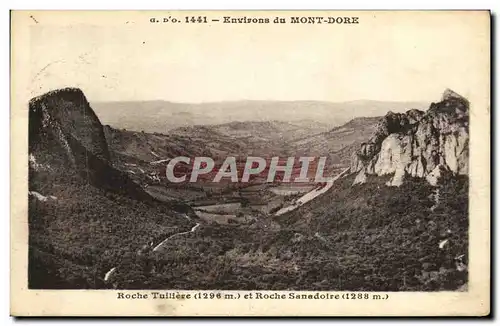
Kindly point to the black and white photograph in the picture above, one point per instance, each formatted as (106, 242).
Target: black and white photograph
(274, 155)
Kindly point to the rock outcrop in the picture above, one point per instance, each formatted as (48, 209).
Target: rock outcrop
(66, 135)
(432, 144)
(66, 114)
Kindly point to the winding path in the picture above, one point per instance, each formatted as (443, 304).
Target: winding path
(311, 194)
(170, 237)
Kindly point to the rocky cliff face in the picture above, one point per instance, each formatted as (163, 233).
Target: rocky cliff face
(66, 137)
(432, 144)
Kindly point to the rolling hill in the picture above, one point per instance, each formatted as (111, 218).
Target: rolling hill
(162, 116)
(338, 143)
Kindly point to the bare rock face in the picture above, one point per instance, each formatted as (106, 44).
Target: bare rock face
(66, 113)
(360, 177)
(415, 143)
(66, 135)
(437, 175)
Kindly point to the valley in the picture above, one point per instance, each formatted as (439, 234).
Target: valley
(103, 213)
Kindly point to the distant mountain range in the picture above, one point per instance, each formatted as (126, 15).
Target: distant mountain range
(162, 116)
(338, 142)
(260, 136)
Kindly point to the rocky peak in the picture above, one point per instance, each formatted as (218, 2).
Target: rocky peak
(391, 123)
(66, 134)
(414, 115)
(415, 143)
(451, 103)
(448, 94)
(67, 113)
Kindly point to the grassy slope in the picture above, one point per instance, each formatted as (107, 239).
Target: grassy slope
(340, 142)
(368, 237)
(77, 237)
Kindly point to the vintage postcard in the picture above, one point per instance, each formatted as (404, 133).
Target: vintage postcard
(250, 163)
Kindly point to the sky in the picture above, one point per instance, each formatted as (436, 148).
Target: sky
(403, 56)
